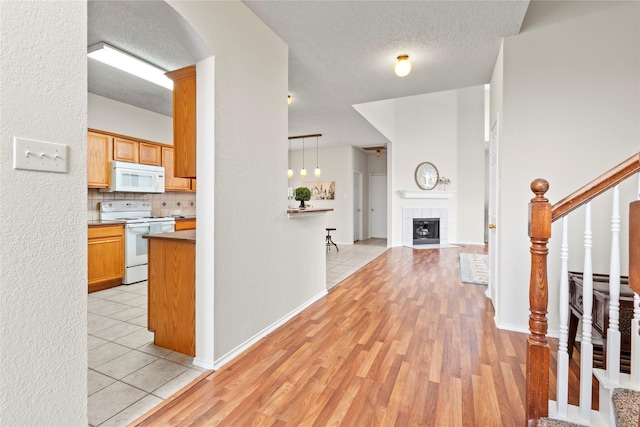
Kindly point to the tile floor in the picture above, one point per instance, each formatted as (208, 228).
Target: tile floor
(351, 258)
(128, 375)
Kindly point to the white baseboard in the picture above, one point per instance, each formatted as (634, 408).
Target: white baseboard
(219, 363)
(206, 364)
(551, 333)
(468, 243)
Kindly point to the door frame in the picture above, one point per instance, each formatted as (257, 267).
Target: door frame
(357, 205)
(494, 220)
(371, 189)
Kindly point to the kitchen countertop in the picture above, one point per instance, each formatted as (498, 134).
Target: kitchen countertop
(97, 222)
(186, 235)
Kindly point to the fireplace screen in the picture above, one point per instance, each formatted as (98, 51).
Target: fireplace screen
(426, 231)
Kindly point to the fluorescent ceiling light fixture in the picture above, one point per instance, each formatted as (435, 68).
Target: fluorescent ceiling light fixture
(130, 64)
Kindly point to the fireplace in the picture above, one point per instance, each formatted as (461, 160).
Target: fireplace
(436, 213)
(426, 231)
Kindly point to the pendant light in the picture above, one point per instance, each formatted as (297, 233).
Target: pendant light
(317, 171)
(303, 171)
(290, 171)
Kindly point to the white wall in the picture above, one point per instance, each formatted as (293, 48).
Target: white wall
(470, 163)
(43, 261)
(425, 131)
(266, 265)
(124, 119)
(446, 129)
(377, 164)
(570, 108)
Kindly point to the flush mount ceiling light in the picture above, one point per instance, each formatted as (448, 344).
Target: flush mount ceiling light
(403, 66)
(130, 64)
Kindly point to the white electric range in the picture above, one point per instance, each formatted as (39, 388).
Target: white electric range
(136, 214)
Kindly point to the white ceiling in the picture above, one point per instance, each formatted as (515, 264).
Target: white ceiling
(341, 53)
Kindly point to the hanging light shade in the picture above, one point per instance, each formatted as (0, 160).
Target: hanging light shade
(403, 66)
(303, 171)
(317, 171)
(290, 171)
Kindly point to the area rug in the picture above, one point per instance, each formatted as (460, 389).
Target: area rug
(474, 269)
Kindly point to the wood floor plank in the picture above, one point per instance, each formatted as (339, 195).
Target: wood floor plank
(400, 343)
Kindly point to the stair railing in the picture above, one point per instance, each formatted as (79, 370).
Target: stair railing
(541, 216)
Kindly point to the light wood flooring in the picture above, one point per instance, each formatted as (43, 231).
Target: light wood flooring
(402, 342)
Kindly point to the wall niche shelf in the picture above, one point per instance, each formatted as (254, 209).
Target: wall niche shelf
(426, 194)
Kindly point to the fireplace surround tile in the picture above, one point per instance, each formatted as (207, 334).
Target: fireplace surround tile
(408, 214)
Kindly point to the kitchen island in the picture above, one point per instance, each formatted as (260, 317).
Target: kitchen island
(171, 295)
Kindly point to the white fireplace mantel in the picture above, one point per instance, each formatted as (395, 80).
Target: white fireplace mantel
(425, 194)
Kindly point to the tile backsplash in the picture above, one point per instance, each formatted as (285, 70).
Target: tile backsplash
(164, 204)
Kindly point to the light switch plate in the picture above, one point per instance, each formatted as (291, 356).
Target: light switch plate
(29, 154)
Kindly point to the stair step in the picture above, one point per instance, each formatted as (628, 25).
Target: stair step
(626, 407)
(549, 422)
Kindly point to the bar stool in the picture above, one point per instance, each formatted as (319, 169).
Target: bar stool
(329, 242)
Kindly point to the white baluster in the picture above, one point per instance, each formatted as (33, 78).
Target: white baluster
(563, 355)
(586, 346)
(635, 339)
(635, 343)
(613, 332)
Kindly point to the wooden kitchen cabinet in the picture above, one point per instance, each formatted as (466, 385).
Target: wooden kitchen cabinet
(185, 224)
(99, 154)
(150, 154)
(184, 121)
(106, 256)
(125, 150)
(171, 183)
(172, 292)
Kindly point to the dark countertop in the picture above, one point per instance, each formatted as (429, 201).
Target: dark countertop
(186, 235)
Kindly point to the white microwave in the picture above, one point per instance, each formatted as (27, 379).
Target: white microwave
(135, 178)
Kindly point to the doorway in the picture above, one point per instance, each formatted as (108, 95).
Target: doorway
(357, 206)
(378, 210)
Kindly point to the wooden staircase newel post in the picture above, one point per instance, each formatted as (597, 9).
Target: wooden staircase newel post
(537, 392)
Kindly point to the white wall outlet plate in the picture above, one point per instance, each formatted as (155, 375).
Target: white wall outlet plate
(29, 154)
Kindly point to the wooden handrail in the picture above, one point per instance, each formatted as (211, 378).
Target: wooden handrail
(596, 187)
(541, 216)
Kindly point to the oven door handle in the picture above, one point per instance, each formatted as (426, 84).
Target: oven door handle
(132, 227)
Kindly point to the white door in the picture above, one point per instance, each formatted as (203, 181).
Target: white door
(378, 200)
(357, 206)
(494, 193)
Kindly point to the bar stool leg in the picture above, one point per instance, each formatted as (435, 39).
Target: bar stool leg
(329, 241)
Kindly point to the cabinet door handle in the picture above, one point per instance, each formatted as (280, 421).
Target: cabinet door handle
(492, 226)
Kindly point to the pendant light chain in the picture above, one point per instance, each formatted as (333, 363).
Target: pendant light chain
(290, 171)
(317, 171)
(303, 171)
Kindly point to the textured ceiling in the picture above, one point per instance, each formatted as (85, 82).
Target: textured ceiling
(341, 53)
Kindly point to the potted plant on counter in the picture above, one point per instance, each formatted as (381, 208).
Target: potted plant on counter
(304, 195)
